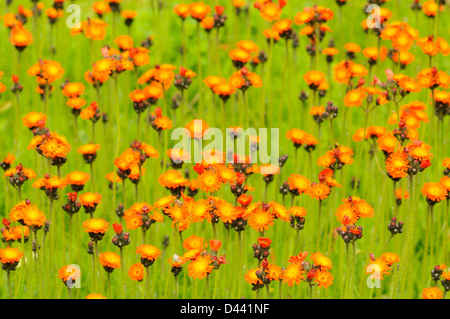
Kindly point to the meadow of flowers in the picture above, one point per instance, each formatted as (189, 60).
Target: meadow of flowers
(98, 199)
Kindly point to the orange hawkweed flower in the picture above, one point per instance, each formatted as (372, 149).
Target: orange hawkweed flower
(199, 10)
(200, 267)
(90, 199)
(390, 258)
(445, 181)
(319, 191)
(20, 37)
(355, 97)
(209, 181)
(298, 184)
(10, 255)
(69, 273)
(261, 219)
(172, 179)
(124, 42)
(194, 242)
(249, 46)
(321, 260)
(34, 119)
(207, 23)
(324, 278)
(239, 57)
(109, 261)
(314, 79)
(270, 11)
(251, 278)
(136, 272)
(88, 149)
(148, 252)
(397, 165)
(297, 211)
(94, 29)
(182, 10)
(293, 274)
(432, 292)
(73, 90)
(297, 136)
(346, 214)
(430, 8)
(434, 192)
(96, 226)
(100, 8)
(381, 268)
(95, 296)
(196, 129)
(76, 179)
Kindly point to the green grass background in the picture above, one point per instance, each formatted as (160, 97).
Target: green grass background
(284, 111)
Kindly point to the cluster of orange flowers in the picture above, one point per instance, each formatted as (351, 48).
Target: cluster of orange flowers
(315, 272)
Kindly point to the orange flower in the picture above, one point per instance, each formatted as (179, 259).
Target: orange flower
(297, 211)
(136, 272)
(390, 258)
(94, 29)
(73, 90)
(261, 219)
(297, 136)
(430, 8)
(95, 296)
(77, 178)
(196, 129)
(445, 181)
(193, 242)
(90, 199)
(346, 214)
(251, 278)
(240, 56)
(10, 255)
(435, 192)
(124, 42)
(314, 79)
(249, 46)
(88, 149)
(76, 103)
(96, 226)
(69, 273)
(321, 260)
(270, 11)
(148, 252)
(55, 146)
(324, 278)
(293, 274)
(207, 23)
(100, 8)
(20, 37)
(172, 179)
(319, 191)
(182, 10)
(406, 58)
(432, 292)
(199, 10)
(354, 98)
(381, 268)
(388, 143)
(200, 267)
(298, 184)
(109, 261)
(209, 181)
(34, 119)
